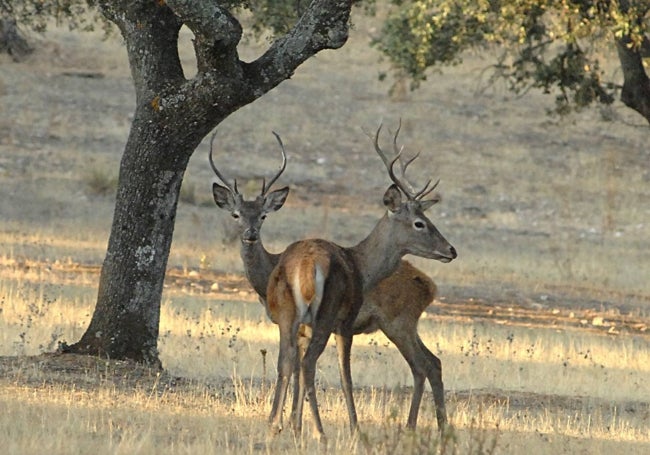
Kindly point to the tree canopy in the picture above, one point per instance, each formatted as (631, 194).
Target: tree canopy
(556, 46)
(552, 45)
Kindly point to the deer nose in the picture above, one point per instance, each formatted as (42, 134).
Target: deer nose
(453, 253)
(250, 235)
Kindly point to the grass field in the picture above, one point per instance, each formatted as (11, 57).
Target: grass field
(541, 323)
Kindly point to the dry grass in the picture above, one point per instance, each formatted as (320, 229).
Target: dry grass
(509, 386)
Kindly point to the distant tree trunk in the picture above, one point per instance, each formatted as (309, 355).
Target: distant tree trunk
(636, 84)
(172, 116)
(11, 40)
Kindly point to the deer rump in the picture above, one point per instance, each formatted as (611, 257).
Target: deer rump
(306, 280)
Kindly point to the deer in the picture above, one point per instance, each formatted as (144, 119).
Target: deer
(320, 284)
(249, 216)
(394, 306)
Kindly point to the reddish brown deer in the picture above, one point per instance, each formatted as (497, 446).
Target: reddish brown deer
(321, 284)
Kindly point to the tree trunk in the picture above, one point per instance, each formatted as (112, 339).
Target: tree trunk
(126, 319)
(172, 116)
(636, 84)
(11, 40)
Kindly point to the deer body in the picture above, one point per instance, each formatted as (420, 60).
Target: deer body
(300, 291)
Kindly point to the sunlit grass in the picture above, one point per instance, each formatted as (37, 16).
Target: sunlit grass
(534, 374)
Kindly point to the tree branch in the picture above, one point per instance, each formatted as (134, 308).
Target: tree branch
(216, 32)
(150, 30)
(324, 25)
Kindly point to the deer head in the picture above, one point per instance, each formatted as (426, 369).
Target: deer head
(410, 228)
(249, 215)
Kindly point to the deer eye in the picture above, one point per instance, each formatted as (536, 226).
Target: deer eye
(235, 215)
(419, 225)
(263, 217)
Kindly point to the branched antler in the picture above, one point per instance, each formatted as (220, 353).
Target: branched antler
(402, 183)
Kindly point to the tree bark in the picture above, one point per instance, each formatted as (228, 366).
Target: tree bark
(172, 116)
(636, 84)
(126, 317)
(12, 41)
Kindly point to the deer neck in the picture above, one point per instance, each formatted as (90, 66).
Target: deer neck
(377, 256)
(258, 265)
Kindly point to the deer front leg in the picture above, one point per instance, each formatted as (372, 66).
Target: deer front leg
(416, 399)
(343, 347)
(423, 364)
(433, 367)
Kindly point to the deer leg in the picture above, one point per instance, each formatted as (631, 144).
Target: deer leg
(308, 374)
(286, 360)
(344, 346)
(304, 336)
(416, 399)
(407, 344)
(423, 364)
(433, 367)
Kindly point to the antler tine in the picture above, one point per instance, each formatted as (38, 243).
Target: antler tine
(283, 166)
(397, 150)
(379, 151)
(403, 165)
(390, 164)
(424, 191)
(216, 171)
(397, 181)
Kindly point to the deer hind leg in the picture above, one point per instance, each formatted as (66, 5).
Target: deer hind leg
(343, 347)
(403, 333)
(307, 377)
(433, 367)
(304, 336)
(287, 358)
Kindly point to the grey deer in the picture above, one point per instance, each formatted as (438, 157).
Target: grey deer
(394, 306)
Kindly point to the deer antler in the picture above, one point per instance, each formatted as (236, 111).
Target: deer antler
(265, 188)
(402, 183)
(233, 189)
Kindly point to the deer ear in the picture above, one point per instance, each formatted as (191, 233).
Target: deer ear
(393, 198)
(275, 200)
(430, 202)
(223, 197)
